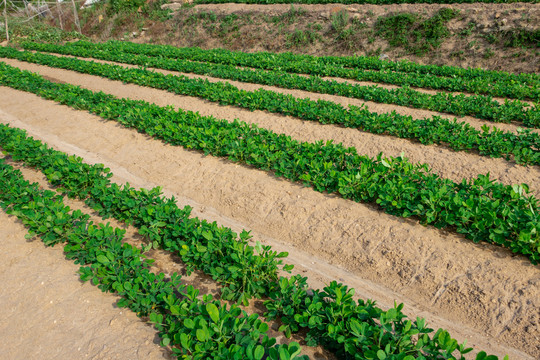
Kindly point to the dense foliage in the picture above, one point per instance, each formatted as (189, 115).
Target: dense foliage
(481, 209)
(524, 148)
(480, 106)
(316, 65)
(352, 329)
(198, 328)
(495, 84)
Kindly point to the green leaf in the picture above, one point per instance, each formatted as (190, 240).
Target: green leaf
(190, 324)
(175, 309)
(102, 259)
(166, 341)
(283, 353)
(213, 312)
(202, 334)
(259, 352)
(207, 235)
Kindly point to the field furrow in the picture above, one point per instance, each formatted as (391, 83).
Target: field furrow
(342, 100)
(375, 246)
(370, 71)
(447, 163)
(55, 303)
(165, 261)
(478, 106)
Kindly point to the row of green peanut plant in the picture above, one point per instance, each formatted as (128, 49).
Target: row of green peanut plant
(481, 209)
(316, 65)
(480, 106)
(487, 85)
(375, 2)
(523, 148)
(351, 329)
(195, 328)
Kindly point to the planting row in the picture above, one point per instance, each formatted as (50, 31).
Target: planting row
(480, 106)
(523, 148)
(480, 209)
(488, 85)
(196, 328)
(229, 259)
(352, 330)
(270, 61)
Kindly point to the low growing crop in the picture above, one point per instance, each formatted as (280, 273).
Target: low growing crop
(488, 83)
(523, 147)
(196, 328)
(351, 329)
(480, 106)
(481, 209)
(316, 65)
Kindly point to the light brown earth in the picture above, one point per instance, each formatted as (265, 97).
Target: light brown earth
(49, 314)
(479, 292)
(447, 163)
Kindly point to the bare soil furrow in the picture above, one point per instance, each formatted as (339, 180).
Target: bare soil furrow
(49, 314)
(445, 162)
(481, 282)
(168, 264)
(345, 101)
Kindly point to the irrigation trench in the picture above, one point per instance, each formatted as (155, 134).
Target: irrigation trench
(480, 293)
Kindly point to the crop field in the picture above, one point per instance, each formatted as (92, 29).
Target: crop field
(214, 204)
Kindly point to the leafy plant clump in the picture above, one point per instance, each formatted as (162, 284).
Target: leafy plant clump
(419, 37)
(459, 136)
(521, 38)
(353, 67)
(444, 102)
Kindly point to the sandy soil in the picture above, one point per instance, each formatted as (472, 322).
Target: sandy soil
(166, 263)
(345, 101)
(481, 291)
(447, 163)
(49, 314)
(376, 9)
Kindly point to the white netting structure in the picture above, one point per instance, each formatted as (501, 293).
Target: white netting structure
(25, 10)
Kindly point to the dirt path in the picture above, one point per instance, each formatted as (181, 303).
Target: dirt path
(343, 100)
(164, 262)
(377, 10)
(49, 314)
(481, 291)
(447, 163)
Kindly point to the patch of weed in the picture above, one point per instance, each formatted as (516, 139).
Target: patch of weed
(488, 53)
(290, 17)
(340, 20)
(468, 30)
(410, 32)
(521, 38)
(299, 38)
